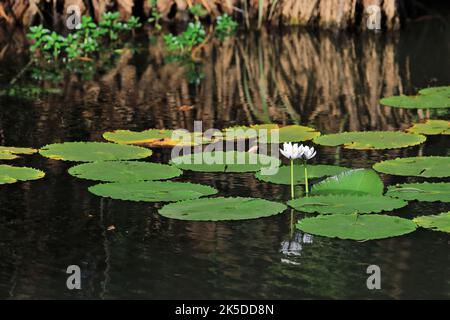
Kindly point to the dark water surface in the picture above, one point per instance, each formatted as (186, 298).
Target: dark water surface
(332, 82)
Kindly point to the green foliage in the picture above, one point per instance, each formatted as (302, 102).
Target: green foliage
(11, 174)
(219, 209)
(346, 204)
(187, 40)
(439, 191)
(357, 227)
(152, 191)
(198, 11)
(155, 16)
(429, 98)
(427, 167)
(431, 127)
(225, 26)
(439, 222)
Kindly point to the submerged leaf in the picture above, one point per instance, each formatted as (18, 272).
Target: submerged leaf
(357, 181)
(427, 167)
(346, 204)
(93, 151)
(431, 127)
(124, 171)
(357, 227)
(439, 222)
(370, 140)
(152, 191)
(421, 191)
(283, 176)
(219, 209)
(11, 174)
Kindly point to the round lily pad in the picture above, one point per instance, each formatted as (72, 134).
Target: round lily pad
(267, 133)
(219, 209)
(93, 151)
(428, 167)
(445, 91)
(156, 137)
(11, 174)
(439, 222)
(345, 204)
(370, 140)
(431, 127)
(421, 191)
(357, 227)
(152, 191)
(9, 153)
(124, 171)
(424, 101)
(357, 181)
(228, 161)
(283, 176)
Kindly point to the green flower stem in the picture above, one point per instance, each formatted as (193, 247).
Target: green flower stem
(292, 178)
(306, 180)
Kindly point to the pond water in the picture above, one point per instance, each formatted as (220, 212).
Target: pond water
(330, 81)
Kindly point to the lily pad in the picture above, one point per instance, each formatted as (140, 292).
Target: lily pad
(11, 174)
(228, 161)
(156, 137)
(445, 91)
(421, 191)
(345, 204)
(219, 209)
(357, 181)
(423, 101)
(439, 222)
(431, 127)
(283, 176)
(371, 140)
(93, 151)
(9, 153)
(266, 133)
(357, 227)
(124, 171)
(152, 191)
(428, 167)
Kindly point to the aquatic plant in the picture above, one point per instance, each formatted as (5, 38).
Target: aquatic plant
(431, 127)
(307, 153)
(438, 191)
(429, 98)
(12, 174)
(427, 167)
(439, 222)
(292, 152)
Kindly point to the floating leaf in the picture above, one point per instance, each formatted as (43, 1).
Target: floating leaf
(265, 132)
(345, 204)
(152, 191)
(93, 151)
(218, 209)
(228, 161)
(445, 91)
(156, 137)
(421, 191)
(283, 176)
(370, 140)
(428, 167)
(431, 127)
(11, 174)
(357, 227)
(424, 101)
(124, 171)
(9, 153)
(357, 181)
(439, 222)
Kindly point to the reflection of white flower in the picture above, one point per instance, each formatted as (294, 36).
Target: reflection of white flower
(307, 152)
(294, 246)
(291, 151)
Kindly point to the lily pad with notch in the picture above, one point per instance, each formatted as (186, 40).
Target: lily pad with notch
(431, 127)
(11, 174)
(439, 222)
(427, 167)
(430, 192)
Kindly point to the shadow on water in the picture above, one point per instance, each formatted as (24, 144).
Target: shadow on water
(330, 81)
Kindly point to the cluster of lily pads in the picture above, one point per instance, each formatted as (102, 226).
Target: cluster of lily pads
(345, 203)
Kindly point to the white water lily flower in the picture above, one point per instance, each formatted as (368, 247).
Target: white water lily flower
(291, 151)
(308, 152)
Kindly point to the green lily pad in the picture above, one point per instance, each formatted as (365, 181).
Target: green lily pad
(445, 91)
(9, 153)
(152, 191)
(423, 101)
(266, 133)
(345, 204)
(431, 127)
(228, 161)
(371, 140)
(283, 176)
(219, 209)
(11, 174)
(439, 222)
(421, 191)
(357, 181)
(93, 151)
(156, 137)
(124, 171)
(428, 167)
(356, 227)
